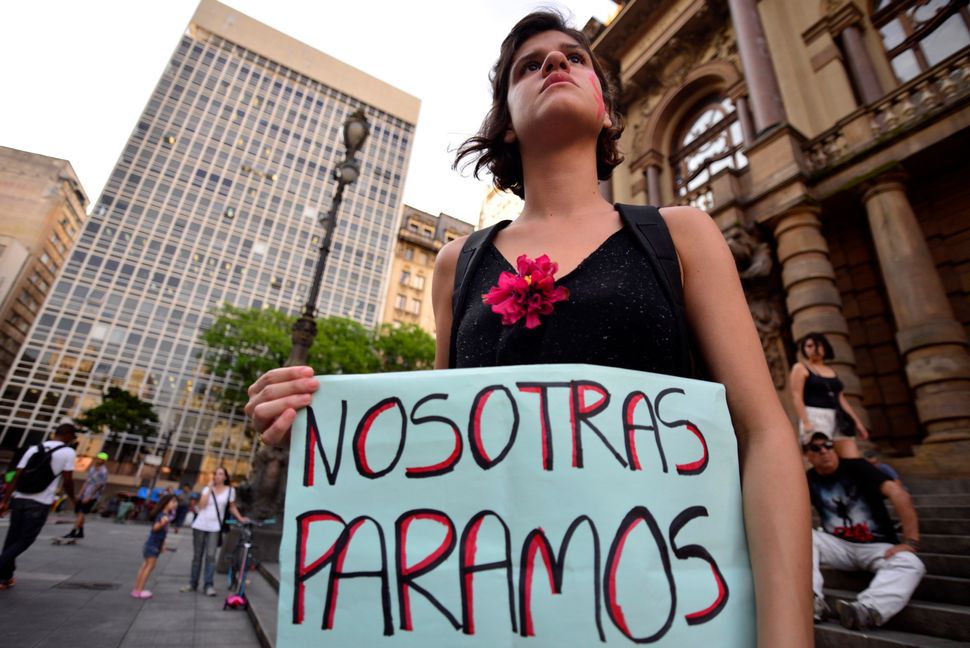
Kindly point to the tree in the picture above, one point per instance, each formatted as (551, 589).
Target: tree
(244, 343)
(405, 348)
(120, 411)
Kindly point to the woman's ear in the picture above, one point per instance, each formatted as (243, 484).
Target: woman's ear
(509, 137)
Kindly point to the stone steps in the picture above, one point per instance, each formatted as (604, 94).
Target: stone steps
(832, 635)
(939, 620)
(263, 602)
(946, 564)
(945, 526)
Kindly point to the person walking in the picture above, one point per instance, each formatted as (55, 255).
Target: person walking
(819, 398)
(90, 494)
(216, 501)
(550, 136)
(32, 493)
(161, 516)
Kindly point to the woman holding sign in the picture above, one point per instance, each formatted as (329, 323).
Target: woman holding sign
(575, 279)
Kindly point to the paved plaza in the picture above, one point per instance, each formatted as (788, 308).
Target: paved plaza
(80, 595)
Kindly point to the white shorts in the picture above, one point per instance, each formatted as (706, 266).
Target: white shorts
(823, 421)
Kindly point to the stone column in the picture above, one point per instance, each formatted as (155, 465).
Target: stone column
(930, 338)
(744, 118)
(811, 296)
(759, 74)
(654, 197)
(860, 65)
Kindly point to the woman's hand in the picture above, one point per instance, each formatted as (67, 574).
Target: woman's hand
(861, 431)
(274, 399)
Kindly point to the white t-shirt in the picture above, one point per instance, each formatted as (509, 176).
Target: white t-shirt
(206, 519)
(62, 460)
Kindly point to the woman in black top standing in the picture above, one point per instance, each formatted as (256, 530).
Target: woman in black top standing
(818, 396)
(550, 136)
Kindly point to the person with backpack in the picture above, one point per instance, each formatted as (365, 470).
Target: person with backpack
(34, 487)
(575, 279)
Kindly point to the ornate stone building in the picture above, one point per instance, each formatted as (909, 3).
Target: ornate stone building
(826, 138)
(409, 285)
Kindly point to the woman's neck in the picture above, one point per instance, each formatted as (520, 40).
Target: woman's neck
(561, 183)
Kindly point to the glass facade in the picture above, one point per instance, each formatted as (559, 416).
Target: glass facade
(215, 199)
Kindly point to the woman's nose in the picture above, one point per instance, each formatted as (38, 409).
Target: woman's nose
(555, 60)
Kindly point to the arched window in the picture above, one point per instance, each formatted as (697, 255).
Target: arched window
(709, 141)
(918, 34)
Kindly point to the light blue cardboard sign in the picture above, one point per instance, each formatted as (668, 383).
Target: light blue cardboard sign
(543, 505)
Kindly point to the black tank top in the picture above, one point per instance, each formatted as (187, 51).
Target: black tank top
(820, 391)
(616, 315)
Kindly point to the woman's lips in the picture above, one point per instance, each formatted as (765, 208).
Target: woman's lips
(556, 77)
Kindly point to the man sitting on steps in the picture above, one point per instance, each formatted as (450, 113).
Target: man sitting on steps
(858, 534)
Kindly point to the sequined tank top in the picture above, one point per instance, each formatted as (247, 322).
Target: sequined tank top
(616, 315)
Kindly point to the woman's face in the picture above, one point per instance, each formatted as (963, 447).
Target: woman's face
(171, 505)
(553, 86)
(220, 476)
(813, 350)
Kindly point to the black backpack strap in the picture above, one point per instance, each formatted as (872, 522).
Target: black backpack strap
(651, 232)
(468, 260)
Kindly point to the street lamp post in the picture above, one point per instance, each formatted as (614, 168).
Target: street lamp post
(356, 130)
(267, 482)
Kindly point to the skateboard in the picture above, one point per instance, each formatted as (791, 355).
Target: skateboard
(64, 541)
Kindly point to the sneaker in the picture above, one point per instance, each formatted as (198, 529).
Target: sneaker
(79, 533)
(7, 584)
(210, 591)
(854, 615)
(820, 608)
(188, 588)
(144, 594)
(136, 594)
(71, 534)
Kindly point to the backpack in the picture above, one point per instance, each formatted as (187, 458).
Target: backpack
(38, 474)
(650, 231)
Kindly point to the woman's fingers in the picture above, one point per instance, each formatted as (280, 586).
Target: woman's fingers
(278, 433)
(274, 399)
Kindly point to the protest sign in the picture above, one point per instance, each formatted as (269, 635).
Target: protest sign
(543, 505)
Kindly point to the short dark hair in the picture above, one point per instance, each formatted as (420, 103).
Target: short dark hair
(489, 150)
(821, 341)
(65, 428)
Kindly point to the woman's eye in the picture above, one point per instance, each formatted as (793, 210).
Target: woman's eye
(576, 59)
(531, 66)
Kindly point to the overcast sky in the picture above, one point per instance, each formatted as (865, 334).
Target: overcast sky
(77, 74)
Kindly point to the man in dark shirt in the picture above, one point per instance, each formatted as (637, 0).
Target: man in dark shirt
(857, 533)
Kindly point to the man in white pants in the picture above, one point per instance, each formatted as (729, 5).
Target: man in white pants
(857, 534)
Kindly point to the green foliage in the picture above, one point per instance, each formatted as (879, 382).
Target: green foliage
(120, 411)
(244, 343)
(405, 348)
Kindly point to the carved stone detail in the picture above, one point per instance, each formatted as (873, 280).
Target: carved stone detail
(762, 287)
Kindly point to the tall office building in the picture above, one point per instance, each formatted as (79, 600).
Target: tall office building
(215, 199)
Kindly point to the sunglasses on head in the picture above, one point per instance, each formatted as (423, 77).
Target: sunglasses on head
(817, 447)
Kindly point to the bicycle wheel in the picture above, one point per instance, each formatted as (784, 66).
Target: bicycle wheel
(235, 567)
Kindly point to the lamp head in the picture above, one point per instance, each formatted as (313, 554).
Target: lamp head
(356, 130)
(347, 172)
